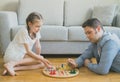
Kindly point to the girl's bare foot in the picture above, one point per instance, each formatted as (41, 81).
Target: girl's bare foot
(4, 72)
(10, 69)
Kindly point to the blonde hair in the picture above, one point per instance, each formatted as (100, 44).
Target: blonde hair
(32, 18)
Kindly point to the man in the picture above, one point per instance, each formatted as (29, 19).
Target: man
(105, 47)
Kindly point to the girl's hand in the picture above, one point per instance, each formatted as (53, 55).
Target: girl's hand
(47, 63)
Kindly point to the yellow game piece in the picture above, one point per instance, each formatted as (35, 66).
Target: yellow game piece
(68, 67)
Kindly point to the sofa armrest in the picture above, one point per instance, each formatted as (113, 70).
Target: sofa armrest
(7, 21)
(118, 20)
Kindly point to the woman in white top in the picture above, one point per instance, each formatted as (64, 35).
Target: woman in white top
(19, 54)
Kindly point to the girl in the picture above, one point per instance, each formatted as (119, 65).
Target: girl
(19, 54)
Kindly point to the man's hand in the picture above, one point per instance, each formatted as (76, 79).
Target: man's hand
(72, 63)
(86, 62)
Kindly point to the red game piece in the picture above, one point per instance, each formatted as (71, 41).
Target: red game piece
(52, 72)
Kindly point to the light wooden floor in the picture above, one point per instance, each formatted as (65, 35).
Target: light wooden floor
(36, 75)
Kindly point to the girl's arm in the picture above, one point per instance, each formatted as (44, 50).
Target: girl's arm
(38, 57)
(38, 47)
(31, 53)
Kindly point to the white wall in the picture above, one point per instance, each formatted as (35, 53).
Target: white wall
(12, 4)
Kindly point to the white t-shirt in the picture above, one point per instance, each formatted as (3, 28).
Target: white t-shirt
(16, 50)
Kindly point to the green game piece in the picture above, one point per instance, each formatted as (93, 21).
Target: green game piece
(72, 71)
(62, 65)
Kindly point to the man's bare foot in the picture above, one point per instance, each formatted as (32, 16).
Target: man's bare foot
(10, 68)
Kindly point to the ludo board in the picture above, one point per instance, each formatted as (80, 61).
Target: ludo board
(61, 71)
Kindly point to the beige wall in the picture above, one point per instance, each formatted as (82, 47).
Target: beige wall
(105, 2)
(8, 5)
(12, 4)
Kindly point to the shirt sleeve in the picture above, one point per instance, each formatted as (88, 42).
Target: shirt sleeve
(109, 51)
(23, 36)
(88, 53)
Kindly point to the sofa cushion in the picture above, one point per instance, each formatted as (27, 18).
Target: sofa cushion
(76, 33)
(76, 13)
(51, 10)
(105, 14)
(48, 33)
(112, 29)
(55, 33)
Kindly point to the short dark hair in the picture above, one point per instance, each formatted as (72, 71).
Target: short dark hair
(93, 23)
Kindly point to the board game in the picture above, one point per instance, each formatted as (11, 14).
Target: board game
(61, 71)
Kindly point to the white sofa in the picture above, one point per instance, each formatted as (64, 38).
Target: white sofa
(62, 32)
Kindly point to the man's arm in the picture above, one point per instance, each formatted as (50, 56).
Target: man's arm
(87, 54)
(109, 51)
